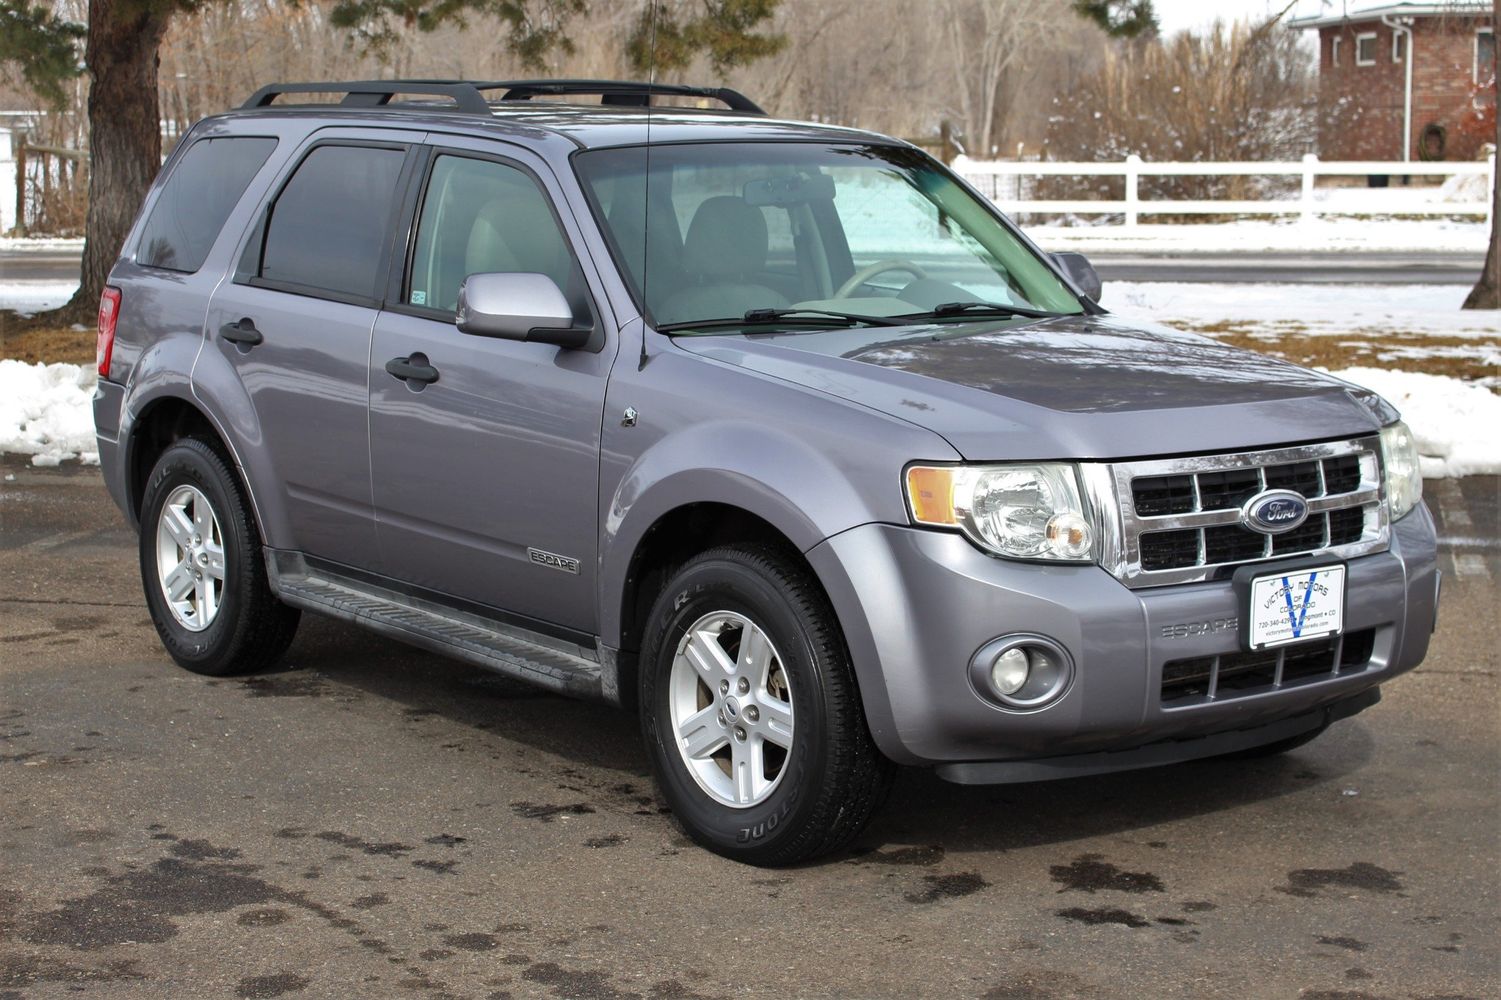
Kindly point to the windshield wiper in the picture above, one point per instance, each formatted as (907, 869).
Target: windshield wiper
(948, 309)
(766, 317)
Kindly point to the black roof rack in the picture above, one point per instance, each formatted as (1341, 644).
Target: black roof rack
(620, 92)
(377, 93)
(468, 95)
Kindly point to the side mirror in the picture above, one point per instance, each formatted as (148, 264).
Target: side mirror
(1081, 272)
(518, 306)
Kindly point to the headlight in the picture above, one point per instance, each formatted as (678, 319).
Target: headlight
(1403, 471)
(1018, 511)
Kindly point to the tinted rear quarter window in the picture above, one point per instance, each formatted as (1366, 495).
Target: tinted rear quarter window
(328, 226)
(197, 198)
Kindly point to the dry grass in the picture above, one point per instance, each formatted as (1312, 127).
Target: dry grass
(1468, 358)
(25, 340)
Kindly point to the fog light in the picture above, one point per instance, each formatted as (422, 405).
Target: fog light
(1022, 672)
(1010, 671)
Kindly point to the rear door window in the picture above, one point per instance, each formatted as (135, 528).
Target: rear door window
(328, 227)
(197, 198)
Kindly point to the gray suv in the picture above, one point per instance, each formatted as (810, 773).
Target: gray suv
(776, 434)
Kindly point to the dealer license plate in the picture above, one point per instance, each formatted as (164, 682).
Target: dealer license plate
(1296, 607)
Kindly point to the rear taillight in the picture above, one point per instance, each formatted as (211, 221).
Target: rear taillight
(109, 315)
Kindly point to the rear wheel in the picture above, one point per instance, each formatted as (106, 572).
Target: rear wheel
(203, 569)
(750, 711)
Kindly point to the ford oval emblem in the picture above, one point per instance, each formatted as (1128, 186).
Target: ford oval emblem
(1274, 511)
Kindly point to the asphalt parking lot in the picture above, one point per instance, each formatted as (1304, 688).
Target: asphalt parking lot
(372, 821)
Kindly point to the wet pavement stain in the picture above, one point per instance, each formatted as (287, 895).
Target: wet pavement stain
(1087, 873)
(1111, 915)
(547, 813)
(938, 887)
(285, 686)
(139, 906)
(267, 987)
(434, 954)
(1197, 906)
(438, 867)
(21, 971)
(924, 857)
(1348, 943)
(613, 840)
(565, 983)
(444, 840)
(371, 901)
(1361, 875)
(392, 849)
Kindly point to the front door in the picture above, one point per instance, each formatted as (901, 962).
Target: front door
(296, 325)
(486, 480)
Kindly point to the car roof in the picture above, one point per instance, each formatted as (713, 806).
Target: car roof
(624, 116)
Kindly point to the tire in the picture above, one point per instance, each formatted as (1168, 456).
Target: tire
(1277, 748)
(817, 777)
(226, 620)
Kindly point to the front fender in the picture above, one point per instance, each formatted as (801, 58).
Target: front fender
(809, 464)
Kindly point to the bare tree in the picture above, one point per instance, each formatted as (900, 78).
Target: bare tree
(987, 42)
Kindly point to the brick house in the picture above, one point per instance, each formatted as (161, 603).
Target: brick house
(1363, 80)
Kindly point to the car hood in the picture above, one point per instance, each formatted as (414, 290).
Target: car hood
(1072, 387)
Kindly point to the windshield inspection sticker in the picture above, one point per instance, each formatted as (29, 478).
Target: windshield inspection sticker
(1297, 607)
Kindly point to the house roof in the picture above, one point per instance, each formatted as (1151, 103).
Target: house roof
(1471, 8)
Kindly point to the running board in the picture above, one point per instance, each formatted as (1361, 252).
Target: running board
(507, 649)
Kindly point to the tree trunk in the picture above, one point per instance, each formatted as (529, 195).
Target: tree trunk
(1487, 291)
(125, 139)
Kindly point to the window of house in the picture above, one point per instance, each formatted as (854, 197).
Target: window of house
(1334, 45)
(1399, 42)
(329, 223)
(1484, 73)
(1365, 49)
(202, 190)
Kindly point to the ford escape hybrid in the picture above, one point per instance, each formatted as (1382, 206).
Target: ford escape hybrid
(776, 434)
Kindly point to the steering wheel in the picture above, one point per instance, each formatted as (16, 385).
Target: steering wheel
(863, 275)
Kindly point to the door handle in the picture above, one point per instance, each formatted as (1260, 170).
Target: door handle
(241, 332)
(413, 369)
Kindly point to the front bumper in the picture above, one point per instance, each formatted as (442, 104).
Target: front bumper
(915, 605)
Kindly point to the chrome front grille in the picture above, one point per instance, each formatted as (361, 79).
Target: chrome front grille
(1181, 521)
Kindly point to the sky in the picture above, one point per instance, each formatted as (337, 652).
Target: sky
(1177, 15)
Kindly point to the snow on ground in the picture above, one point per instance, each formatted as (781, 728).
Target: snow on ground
(29, 297)
(1455, 423)
(1288, 236)
(1309, 308)
(46, 411)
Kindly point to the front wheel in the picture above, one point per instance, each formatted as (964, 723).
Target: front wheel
(202, 566)
(751, 714)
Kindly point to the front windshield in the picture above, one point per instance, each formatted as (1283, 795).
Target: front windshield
(730, 228)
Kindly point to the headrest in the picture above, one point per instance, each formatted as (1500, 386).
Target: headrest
(727, 239)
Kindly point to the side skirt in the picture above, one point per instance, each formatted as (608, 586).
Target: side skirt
(516, 652)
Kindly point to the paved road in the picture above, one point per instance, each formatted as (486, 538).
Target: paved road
(374, 821)
(1297, 268)
(1325, 268)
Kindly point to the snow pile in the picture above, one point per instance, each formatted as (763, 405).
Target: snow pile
(1455, 423)
(1308, 308)
(31, 297)
(46, 411)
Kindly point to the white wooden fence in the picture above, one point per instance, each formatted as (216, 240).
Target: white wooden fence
(1351, 201)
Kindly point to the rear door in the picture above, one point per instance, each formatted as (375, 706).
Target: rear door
(487, 480)
(296, 324)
